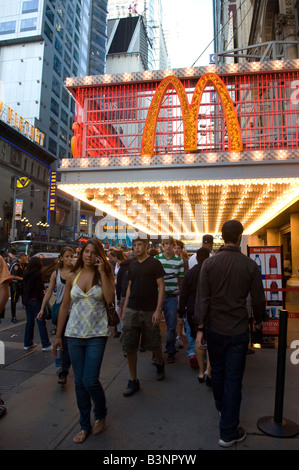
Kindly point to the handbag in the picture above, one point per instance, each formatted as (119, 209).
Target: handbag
(55, 311)
(47, 312)
(113, 318)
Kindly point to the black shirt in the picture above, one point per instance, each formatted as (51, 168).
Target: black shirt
(225, 281)
(144, 289)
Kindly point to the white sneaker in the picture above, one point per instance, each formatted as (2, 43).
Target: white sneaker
(30, 347)
(48, 348)
(239, 438)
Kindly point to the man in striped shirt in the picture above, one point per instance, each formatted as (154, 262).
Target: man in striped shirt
(173, 267)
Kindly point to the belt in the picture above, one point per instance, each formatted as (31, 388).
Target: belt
(170, 295)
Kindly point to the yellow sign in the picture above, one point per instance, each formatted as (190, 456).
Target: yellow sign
(190, 113)
(53, 191)
(22, 182)
(23, 125)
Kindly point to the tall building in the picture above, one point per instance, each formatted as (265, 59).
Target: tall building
(42, 42)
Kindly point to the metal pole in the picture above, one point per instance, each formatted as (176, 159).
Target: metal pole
(14, 208)
(278, 426)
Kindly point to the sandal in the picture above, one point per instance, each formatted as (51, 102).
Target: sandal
(80, 437)
(98, 426)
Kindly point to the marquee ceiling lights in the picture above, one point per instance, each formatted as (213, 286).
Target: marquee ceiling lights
(190, 207)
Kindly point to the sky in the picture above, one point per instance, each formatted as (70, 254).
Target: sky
(188, 26)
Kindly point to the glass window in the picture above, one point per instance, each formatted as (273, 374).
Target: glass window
(58, 46)
(78, 11)
(7, 27)
(69, 28)
(59, 29)
(48, 32)
(67, 59)
(53, 126)
(64, 116)
(68, 43)
(50, 15)
(66, 74)
(76, 39)
(78, 26)
(30, 6)
(76, 55)
(54, 107)
(62, 152)
(28, 24)
(57, 65)
(65, 98)
(70, 12)
(52, 147)
(63, 134)
(56, 87)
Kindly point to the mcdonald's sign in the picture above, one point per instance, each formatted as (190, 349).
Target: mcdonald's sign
(190, 113)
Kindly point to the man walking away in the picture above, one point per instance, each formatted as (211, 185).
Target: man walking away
(142, 312)
(225, 281)
(173, 266)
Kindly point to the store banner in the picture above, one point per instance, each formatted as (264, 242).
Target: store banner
(18, 209)
(269, 261)
(53, 191)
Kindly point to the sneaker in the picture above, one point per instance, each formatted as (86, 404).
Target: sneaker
(179, 343)
(160, 375)
(171, 358)
(30, 347)
(239, 438)
(48, 348)
(133, 386)
(193, 362)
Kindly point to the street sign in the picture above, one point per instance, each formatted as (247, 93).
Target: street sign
(22, 182)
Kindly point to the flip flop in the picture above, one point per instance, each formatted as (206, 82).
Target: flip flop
(80, 437)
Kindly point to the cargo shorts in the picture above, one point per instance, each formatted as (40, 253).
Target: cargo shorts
(137, 325)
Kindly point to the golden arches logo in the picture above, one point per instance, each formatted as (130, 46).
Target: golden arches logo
(190, 113)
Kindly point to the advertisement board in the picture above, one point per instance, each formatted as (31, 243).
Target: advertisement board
(269, 261)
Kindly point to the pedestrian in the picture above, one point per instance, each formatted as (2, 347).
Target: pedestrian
(57, 285)
(34, 289)
(122, 281)
(89, 288)
(196, 353)
(5, 280)
(117, 257)
(207, 242)
(225, 281)
(142, 312)
(17, 269)
(173, 266)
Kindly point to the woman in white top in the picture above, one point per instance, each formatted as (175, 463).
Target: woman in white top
(88, 289)
(57, 284)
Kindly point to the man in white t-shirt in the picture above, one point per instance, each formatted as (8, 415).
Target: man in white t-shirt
(207, 242)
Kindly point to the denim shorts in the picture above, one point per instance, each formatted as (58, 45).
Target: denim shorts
(138, 326)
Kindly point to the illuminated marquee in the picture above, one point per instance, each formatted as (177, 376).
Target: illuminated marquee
(22, 125)
(190, 113)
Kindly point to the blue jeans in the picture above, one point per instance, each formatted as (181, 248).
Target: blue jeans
(191, 341)
(170, 306)
(86, 358)
(32, 309)
(227, 356)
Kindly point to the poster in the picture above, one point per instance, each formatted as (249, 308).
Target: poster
(269, 261)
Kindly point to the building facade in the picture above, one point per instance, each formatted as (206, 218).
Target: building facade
(41, 43)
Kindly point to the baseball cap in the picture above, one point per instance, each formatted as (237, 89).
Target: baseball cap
(207, 238)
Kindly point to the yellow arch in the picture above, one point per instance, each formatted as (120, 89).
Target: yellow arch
(190, 113)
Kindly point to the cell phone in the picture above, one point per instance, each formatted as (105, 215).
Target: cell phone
(96, 261)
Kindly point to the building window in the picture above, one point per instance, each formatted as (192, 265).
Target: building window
(54, 107)
(76, 55)
(48, 32)
(53, 126)
(67, 60)
(56, 87)
(70, 12)
(7, 27)
(57, 65)
(64, 116)
(69, 28)
(50, 15)
(52, 147)
(65, 98)
(68, 43)
(28, 24)
(62, 152)
(58, 46)
(30, 6)
(63, 135)
(59, 29)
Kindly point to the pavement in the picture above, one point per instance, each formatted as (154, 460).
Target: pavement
(173, 417)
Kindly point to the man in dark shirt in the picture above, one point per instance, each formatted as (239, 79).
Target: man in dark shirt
(225, 281)
(142, 312)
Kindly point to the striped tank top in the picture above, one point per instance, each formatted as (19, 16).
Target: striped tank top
(88, 317)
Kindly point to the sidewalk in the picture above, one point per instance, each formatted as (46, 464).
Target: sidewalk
(177, 414)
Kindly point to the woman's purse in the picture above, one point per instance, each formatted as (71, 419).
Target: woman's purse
(55, 311)
(113, 318)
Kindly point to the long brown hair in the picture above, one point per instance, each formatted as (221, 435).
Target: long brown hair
(100, 252)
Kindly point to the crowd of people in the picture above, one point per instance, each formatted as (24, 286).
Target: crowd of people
(204, 296)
